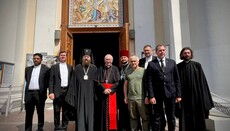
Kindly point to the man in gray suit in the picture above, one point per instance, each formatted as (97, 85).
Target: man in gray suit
(163, 86)
(36, 78)
(60, 75)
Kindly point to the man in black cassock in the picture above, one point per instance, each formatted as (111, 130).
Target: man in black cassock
(196, 97)
(123, 122)
(81, 93)
(105, 107)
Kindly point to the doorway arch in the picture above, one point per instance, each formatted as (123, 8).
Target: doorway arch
(69, 36)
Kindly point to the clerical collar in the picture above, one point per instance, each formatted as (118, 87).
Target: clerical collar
(187, 61)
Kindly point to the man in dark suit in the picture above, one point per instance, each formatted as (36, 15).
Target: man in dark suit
(143, 62)
(60, 74)
(148, 53)
(36, 77)
(163, 85)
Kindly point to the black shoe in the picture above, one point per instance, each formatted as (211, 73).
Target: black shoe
(57, 128)
(64, 128)
(39, 130)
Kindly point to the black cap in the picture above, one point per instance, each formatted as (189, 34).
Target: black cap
(86, 52)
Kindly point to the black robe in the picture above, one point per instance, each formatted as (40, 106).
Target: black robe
(124, 122)
(81, 96)
(101, 105)
(196, 97)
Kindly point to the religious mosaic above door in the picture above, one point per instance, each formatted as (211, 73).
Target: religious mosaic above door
(95, 13)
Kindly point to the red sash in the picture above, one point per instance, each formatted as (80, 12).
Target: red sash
(112, 109)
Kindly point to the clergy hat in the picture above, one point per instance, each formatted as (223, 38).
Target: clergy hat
(86, 52)
(124, 53)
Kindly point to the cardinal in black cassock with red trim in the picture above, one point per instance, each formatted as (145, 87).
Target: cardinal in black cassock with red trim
(196, 97)
(106, 106)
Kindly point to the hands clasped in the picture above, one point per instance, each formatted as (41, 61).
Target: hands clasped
(107, 91)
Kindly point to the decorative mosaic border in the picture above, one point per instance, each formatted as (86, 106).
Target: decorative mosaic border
(95, 13)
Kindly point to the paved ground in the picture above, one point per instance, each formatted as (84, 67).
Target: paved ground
(16, 121)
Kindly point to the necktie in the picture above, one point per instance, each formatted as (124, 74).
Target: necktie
(162, 65)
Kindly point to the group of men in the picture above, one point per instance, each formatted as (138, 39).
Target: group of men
(136, 96)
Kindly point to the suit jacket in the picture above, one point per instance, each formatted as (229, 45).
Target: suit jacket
(142, 61)
(43, 81)
(55, 79)
(163, 84)
(142, 64)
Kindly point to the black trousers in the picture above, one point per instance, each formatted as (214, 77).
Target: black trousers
(33, 101)
(151, 118)
(158, 120)
(58, 104)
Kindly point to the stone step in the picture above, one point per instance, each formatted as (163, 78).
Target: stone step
(218, 121)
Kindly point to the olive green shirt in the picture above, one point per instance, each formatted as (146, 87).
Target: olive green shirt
(135, 84)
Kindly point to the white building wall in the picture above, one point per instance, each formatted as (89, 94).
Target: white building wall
(209, 33)
(143, 24)
(8, 29)
(12, 38)
(45, 26)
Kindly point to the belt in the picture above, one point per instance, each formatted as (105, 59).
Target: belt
(64, 87)
(33, 90)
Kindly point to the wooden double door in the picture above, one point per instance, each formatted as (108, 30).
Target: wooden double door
(101, 41)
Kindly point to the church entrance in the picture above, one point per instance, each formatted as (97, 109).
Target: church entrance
(100, 44)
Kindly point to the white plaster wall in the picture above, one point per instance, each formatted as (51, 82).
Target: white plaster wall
(8, 29)
(143, 24)
(45, 26)
(209, 33)
(13, 36)
(19, 60)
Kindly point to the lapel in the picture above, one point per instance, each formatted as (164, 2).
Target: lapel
(41, 71)
(30, 73)
(167, 64)
(159, 66)
(69, 71)
(58, 70)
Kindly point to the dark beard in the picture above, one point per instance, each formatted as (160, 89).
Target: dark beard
(85, 64)
(188, 58)
(124, 63)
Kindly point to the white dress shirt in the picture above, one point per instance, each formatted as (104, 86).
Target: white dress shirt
(147, 60)
(34, 80)
(159, 60)
(64, 74)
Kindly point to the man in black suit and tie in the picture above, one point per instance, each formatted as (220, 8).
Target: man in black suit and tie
(60, 74)
(36, 78)
(163, 85)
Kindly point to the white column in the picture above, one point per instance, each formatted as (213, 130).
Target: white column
(45, 26)
(172, 28)
(143, 24)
